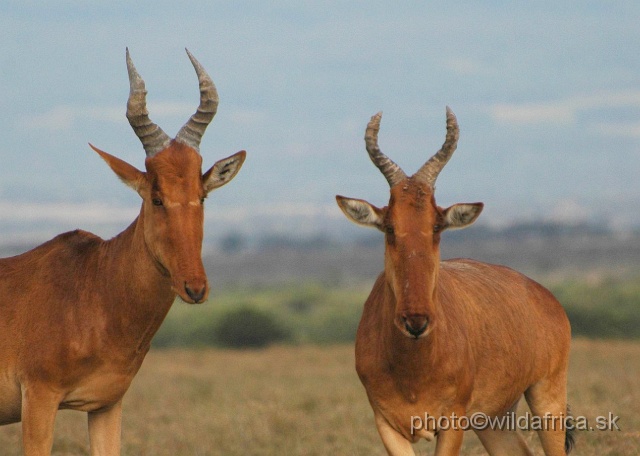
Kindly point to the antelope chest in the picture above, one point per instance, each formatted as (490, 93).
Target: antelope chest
(403, 399)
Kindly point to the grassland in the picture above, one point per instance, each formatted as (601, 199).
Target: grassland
(307, 400)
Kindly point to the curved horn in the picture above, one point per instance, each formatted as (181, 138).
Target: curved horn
(191, 133)
(152, 137)
(430, 170)
(392, 172)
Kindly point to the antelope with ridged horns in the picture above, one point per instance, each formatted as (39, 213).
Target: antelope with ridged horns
(441, 342)
(77, 313)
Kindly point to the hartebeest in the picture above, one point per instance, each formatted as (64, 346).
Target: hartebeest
(77, 314)
(442, 342)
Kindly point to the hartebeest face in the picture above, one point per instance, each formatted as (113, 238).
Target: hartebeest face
(412, 223)
(173, 188)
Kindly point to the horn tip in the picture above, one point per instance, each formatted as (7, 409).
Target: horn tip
(134, 77)
(452, 120)
(450, 114)
(375, 121)
(194, 61)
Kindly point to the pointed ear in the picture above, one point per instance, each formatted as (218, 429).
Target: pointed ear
(128, 174)
(223, 171)
(461, 215)
(361, 212)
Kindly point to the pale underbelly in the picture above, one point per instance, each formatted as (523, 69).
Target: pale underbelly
(95, 392)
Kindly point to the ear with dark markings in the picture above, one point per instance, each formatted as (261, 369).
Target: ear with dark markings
(223, 171)
(127, 173)
(461, 215)
(361, 212)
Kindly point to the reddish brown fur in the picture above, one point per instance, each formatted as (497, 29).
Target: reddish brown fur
(492, 336)
(77, 314)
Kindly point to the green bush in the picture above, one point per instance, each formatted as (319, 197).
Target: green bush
(304, 299)
(602, 323)
(335, 326)
(255, 317)
(248, 326)
(314, 313)
(610, 309)
(186, 326)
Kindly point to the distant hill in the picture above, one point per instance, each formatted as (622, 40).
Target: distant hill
(538, 249)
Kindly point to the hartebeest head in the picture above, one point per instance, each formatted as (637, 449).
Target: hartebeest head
(173, 187)
(412, 223)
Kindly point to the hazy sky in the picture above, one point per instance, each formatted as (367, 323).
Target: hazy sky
(547, 95)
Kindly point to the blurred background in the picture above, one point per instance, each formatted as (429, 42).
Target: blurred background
(547, 95)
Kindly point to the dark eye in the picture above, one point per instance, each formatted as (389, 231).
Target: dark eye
(156, 201)
(437, 228)
(389, 230)
(202, 200)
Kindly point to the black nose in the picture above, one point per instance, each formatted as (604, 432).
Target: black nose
(416, 324)
(195, 293)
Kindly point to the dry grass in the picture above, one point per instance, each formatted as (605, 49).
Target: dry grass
(308, 400)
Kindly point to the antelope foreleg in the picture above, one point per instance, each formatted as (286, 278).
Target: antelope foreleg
(39, 408)
(105, 429)
(394, 442)
(503, 442)
(449, 442)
